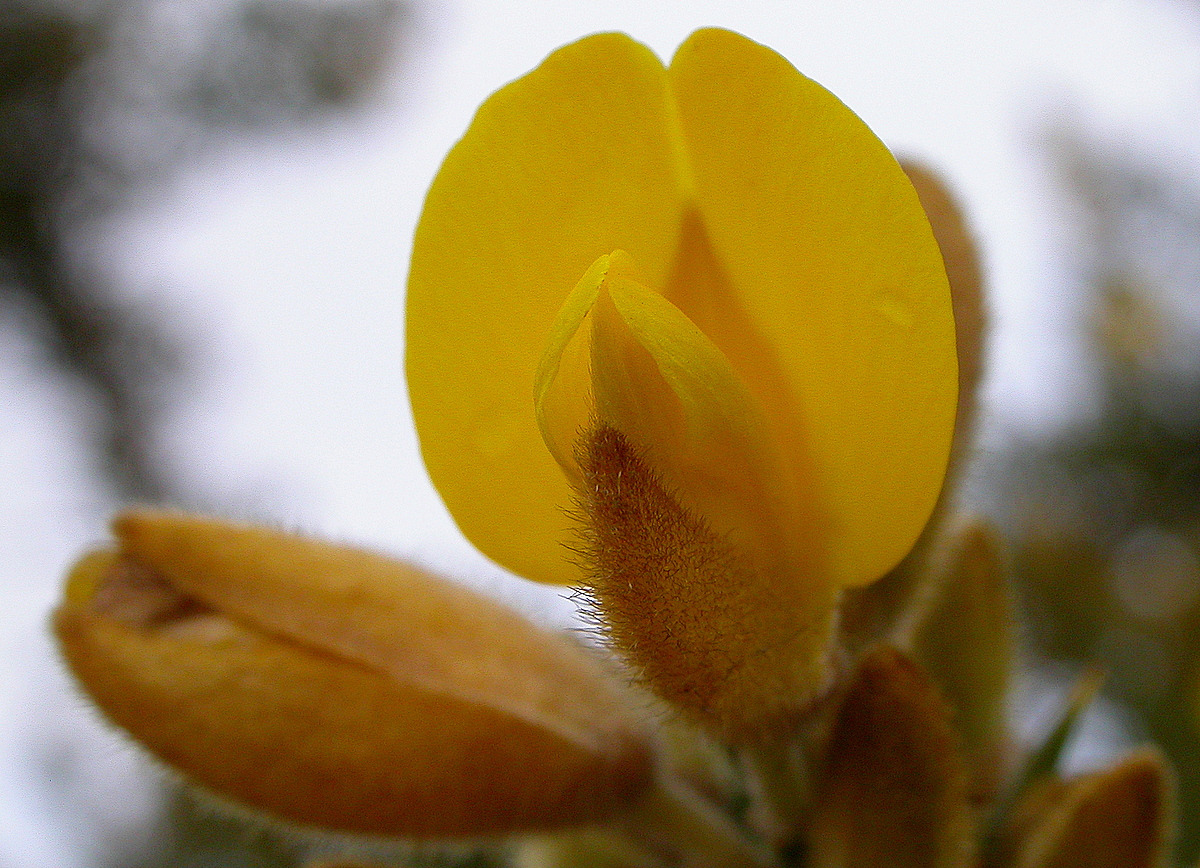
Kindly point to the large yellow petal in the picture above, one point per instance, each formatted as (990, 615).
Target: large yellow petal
(562, 389)
(832, 263)
(569, 163)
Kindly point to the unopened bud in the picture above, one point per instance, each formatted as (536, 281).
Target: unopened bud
(335, 688)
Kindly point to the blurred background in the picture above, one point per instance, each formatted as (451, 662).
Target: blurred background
(205, 218)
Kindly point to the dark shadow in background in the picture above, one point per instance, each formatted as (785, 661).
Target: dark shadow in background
(100, 101)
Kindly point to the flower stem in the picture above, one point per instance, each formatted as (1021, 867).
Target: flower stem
(778, 789)
(682, 828)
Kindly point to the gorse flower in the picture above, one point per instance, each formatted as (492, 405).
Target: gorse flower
(683, 335)
(682, 338)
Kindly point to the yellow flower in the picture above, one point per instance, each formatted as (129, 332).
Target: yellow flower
(748, 396)
(682, 336)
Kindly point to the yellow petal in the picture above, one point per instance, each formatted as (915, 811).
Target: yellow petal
(338, 689)
(569, 163)
(832, 263)
(965, 273)
(868, 612)
(562, 389)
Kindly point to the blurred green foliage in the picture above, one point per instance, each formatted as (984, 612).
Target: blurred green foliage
(1106, 514)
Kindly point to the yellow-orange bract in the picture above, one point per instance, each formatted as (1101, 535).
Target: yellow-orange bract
(338, 689)
(775, 257)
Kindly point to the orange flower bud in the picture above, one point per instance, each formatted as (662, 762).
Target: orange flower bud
(335, 688)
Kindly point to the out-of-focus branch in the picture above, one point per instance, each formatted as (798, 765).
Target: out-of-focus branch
(67, 81)
(102, 99)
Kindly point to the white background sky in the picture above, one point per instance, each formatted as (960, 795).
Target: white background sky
(289, 258)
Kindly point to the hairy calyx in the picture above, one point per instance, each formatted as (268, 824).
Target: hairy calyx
(681, 603)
